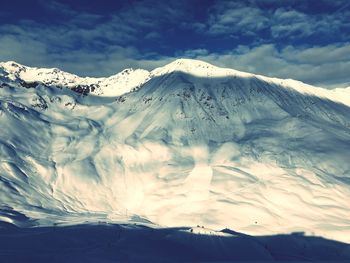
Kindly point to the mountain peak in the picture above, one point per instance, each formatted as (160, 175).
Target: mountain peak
(10, 63)
(12, 67)
(193, 67)
(187, 62)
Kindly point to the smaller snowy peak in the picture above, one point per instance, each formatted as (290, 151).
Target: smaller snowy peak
(52, 76)
(124, 82)
(115, 85)
(11, 66)
(11, 69)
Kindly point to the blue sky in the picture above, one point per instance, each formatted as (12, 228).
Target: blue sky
(308, 40)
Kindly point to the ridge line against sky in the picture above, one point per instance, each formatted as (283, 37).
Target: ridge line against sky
(304, 40)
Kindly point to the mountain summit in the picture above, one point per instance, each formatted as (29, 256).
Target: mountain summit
(185, 144)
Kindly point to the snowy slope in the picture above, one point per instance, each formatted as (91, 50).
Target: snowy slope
(185, 144)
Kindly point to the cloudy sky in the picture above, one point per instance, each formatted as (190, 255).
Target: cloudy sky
(308, 40)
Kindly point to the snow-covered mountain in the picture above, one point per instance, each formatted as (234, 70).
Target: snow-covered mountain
(113, 86)
(183, 145)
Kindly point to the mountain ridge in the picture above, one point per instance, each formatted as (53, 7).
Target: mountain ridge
(130, 79)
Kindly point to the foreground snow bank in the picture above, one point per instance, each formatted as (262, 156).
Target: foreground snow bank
(137, 243)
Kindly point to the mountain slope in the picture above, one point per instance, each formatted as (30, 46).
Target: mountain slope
(185, 144)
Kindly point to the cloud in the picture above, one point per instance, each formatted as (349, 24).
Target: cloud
(267, 19)
(305, 64)
(193, 53)
(87, 43)
(235, 18)
(327, 66)
(27, 50)
(292, 23)
(116, 59)
(69, 27)
(82, 61)
(56, 7)
(136, 35)
(318, 55)
(152, 35)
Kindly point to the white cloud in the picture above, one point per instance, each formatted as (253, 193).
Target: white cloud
(86, 43)
(27, 50)
(193, 53)
(327, 66)
(235, 19)
(243, 19)
(319, 55)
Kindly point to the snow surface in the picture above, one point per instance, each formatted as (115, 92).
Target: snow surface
(136, 243)
(183, 145)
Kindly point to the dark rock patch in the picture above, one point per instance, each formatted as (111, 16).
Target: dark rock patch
(30, 85)
(84, 89)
